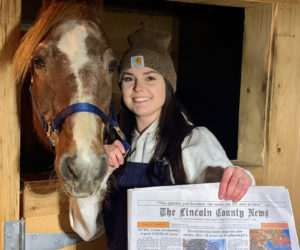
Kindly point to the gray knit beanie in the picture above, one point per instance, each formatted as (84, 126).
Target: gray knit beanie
(149, 48)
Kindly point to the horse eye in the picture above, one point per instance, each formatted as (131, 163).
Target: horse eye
(113, 64)
(38, 62)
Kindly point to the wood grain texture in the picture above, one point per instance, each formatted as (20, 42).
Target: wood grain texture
(284, 129)
(10, 15)
(254, 84)
(41, 198)
(10, 11)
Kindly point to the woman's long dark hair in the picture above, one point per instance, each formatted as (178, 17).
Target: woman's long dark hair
(172, 130)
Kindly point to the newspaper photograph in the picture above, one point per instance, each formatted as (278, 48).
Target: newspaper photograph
(191, 217)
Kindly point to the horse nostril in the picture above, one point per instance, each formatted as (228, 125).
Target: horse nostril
(68, 170)
(103, 166)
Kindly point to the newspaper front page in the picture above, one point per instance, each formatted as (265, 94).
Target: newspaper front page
(191, 217)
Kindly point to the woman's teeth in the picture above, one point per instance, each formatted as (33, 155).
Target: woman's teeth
(141, 99)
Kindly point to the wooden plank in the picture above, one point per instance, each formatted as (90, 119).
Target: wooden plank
(56, 223)
(41, 198)
(9, 128)
(254, 84)
(235, 3)
(60, 224)
(284, 130)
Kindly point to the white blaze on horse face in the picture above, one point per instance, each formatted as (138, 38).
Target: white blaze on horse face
(72, 44)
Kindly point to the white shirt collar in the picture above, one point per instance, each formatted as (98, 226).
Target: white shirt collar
(150, 130)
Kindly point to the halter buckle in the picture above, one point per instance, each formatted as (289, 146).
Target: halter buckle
(52, 135)
(119, 132)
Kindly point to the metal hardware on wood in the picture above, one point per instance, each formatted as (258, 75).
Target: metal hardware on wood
(15, 238)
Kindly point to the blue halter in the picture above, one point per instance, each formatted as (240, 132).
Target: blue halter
(52, 127)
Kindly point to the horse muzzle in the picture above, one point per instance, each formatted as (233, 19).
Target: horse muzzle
(83, 178)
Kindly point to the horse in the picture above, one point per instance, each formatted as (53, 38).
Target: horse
(65, 66)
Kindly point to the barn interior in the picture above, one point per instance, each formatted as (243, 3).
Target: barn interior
(237, 63)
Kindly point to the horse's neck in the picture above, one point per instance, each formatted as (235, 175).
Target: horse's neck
(35, 157)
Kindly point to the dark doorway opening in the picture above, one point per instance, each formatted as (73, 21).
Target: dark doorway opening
(209, 69)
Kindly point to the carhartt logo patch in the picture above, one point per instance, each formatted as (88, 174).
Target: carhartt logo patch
(137, 62)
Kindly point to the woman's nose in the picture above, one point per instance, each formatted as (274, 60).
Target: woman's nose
(138, 85)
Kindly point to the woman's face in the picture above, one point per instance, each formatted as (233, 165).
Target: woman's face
(144, 92)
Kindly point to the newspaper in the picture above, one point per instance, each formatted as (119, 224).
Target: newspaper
(190, 217)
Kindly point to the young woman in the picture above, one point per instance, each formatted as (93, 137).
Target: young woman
(165, 149)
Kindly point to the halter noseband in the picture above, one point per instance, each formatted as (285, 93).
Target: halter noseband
(52, 127)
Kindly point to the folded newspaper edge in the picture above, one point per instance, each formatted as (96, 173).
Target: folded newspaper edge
(181, 216)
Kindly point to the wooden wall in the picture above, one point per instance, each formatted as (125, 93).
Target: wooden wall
(283, 142)
(10, 11)
(254, 84)
(269, 126)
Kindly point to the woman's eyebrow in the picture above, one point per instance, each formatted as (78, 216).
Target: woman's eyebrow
(127, 73)
(150, 72)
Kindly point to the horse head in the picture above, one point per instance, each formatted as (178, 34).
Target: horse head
(70, 62)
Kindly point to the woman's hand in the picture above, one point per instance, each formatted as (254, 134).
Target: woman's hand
(234, 184)
(115, 154)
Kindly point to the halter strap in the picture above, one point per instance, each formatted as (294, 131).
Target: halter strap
(52, 127)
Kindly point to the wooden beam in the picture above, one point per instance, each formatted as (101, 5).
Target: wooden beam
(284, 129)
(234, 3)
(254, 84)
(10, 12)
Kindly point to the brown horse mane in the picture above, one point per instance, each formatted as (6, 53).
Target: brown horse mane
(51, 13)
